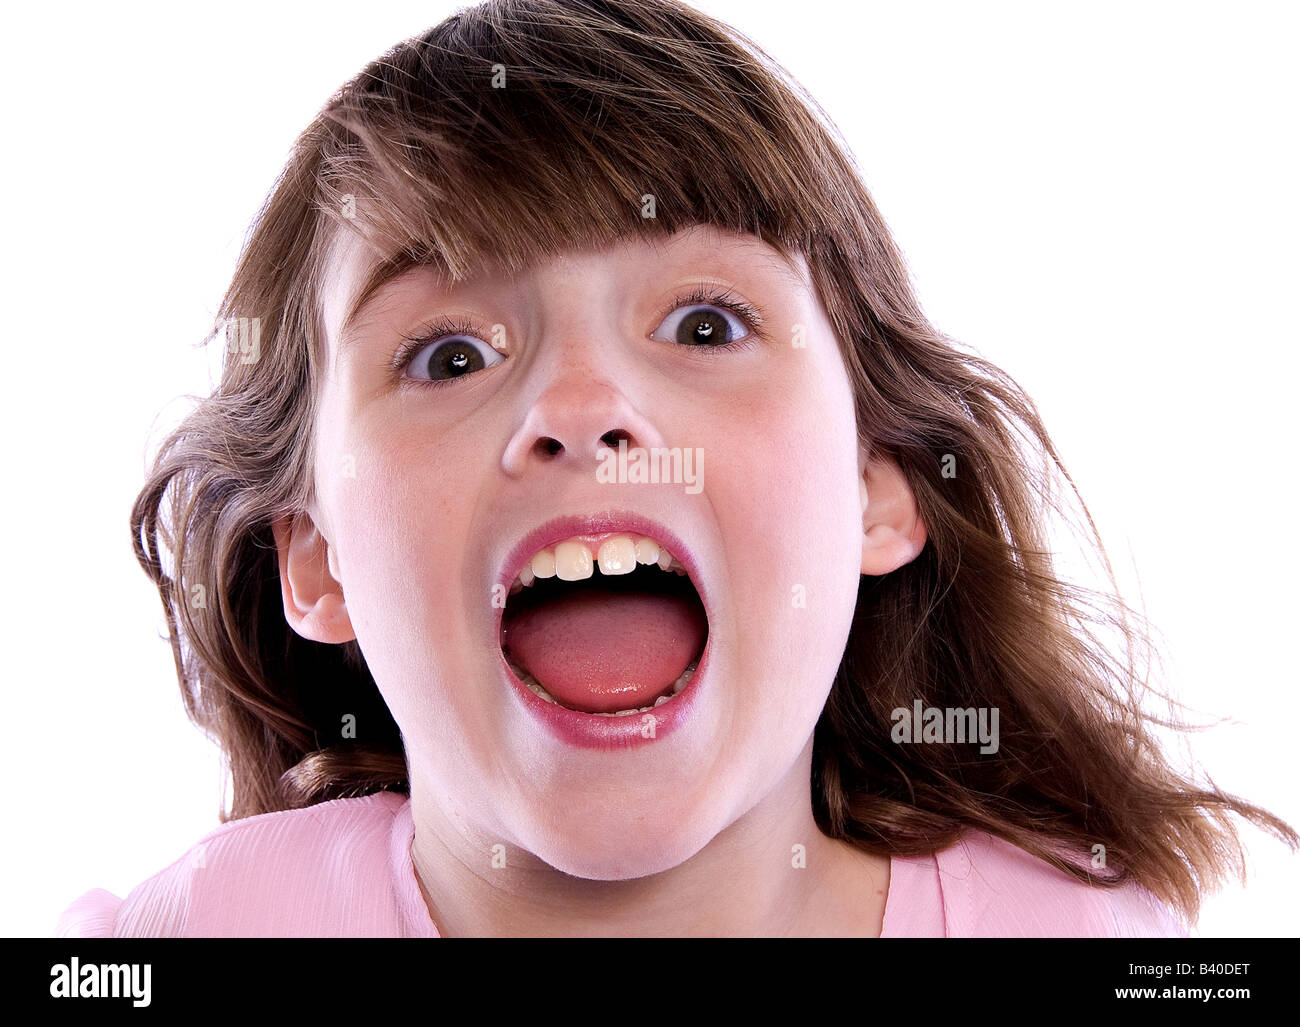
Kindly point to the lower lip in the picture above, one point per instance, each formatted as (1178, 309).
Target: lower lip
(589, 731)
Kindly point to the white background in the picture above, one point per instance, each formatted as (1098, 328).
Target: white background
(1101, 199)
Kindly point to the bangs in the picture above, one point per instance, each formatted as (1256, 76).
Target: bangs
(522, 128)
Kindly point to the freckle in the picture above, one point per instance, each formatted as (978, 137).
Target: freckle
(879, 892)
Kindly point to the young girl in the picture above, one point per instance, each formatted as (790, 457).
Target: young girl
(591, 535)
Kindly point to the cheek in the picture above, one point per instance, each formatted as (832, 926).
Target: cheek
(399, 489)
(790, 471)
(399, 506)
(787, 493)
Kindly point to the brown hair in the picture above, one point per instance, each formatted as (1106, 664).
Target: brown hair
(519, 128)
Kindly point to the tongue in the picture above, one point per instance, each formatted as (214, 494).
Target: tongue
(600, 651)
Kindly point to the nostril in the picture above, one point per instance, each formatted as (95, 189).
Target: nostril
(612, 437)
(550, 446)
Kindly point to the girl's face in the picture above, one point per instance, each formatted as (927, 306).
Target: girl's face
(429, 498)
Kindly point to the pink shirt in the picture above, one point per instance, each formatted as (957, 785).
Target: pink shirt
(343, 869)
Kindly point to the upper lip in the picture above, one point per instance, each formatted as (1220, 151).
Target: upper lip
(561, 528)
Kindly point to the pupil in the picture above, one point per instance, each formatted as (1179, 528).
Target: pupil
(697, 329)
(452, 359)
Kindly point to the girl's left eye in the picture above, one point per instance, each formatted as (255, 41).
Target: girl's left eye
(729, 324)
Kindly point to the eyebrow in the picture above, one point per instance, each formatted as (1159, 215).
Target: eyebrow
(379, 276)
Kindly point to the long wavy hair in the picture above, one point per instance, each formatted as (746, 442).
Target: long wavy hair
(519, 128)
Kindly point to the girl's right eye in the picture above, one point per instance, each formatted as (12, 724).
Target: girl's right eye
(445, 351)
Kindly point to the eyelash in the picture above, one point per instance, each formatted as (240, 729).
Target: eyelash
(428, 333)
(447, 327)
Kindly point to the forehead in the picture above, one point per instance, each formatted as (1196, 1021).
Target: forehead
(350, 263)
(354, 278)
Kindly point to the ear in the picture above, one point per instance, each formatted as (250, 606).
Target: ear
(892, 530)
(309, 579)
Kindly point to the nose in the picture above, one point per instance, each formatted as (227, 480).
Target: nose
(576, 415)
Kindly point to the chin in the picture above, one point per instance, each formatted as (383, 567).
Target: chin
(622, 844)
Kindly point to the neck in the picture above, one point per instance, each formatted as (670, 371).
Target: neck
(770, 873)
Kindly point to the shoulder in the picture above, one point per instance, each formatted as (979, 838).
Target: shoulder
(992, 888)
(320, 871)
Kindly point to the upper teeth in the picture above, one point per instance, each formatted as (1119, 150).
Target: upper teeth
(575, 559)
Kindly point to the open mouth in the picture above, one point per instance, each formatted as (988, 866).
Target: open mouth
(612, 626)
